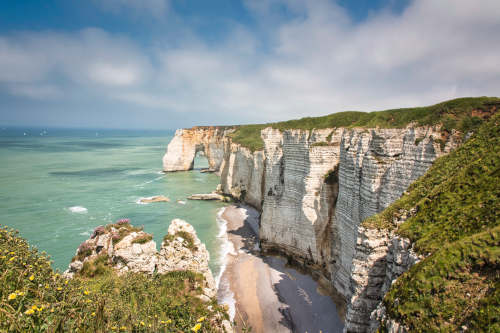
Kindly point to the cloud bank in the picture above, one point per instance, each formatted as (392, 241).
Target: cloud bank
(313, 61)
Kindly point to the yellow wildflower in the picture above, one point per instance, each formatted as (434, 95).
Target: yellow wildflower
(93, 314)
(113, 328)
(46, 286)
(12, 253)
(29, 312)
(142, 323)
(123, 328)
(149, 325)
(196, 327)
(12, 296)
(85, 292)
(12, 258)
(66, 282)
(169, 321)
(40, 308)
(201, 319)
(34, 307)
(20, 293)
(59, 288)
(32, 277)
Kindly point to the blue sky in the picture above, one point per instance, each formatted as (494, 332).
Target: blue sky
(166, 63)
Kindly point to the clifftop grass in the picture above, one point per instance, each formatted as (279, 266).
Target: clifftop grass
(454, 114)
(456, 223)
(34, 298)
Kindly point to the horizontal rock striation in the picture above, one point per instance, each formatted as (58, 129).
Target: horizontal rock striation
(314, 188)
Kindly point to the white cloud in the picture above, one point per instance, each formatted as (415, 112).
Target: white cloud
(316, 61)
(90, 57)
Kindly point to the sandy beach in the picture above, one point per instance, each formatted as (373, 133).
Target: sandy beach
(270, 296)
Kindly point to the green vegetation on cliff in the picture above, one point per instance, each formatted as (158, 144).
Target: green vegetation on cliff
(456, 222)
(34, 298)
(463, 114)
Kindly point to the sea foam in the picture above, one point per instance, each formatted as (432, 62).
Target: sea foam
(78, 209)
(225, 295)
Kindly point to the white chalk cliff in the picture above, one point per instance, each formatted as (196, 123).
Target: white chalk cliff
(315, 221)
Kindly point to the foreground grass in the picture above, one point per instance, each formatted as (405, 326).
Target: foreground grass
(456, 222)
(454, 114)
(34, 298)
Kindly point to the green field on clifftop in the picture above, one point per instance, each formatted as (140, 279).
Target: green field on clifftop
(453, 114)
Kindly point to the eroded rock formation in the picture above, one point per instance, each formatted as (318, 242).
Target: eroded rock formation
(125, 248)
(314, 188)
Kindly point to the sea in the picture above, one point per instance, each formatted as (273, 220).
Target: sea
(57, 185)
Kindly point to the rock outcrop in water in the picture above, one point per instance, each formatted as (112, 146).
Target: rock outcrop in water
(314, 188)
(129, 249)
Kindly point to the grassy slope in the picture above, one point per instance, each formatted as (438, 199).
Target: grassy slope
(452, 114)
(34, 298)
(458, 223)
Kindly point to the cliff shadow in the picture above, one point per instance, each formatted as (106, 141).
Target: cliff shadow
(304, 308)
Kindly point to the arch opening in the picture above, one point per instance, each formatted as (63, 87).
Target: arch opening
(200, 161)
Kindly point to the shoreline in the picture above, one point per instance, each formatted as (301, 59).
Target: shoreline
(262, 291)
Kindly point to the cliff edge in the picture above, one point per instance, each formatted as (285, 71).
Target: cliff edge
(316, 179)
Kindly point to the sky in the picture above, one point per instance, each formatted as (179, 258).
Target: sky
(164, 64)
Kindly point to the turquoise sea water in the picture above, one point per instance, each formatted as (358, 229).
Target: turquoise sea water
(57, 185)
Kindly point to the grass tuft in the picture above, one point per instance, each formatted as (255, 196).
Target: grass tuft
(188, 239)
(142, 239)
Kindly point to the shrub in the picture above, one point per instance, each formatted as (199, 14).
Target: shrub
(123, 221)
(98, 231)
(84, 250)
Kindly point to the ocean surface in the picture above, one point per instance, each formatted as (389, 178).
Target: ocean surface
(57, 185)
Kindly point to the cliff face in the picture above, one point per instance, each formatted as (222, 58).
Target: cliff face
(313, 215)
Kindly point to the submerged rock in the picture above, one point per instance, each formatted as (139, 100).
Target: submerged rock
(158, 198)
(207, 196)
